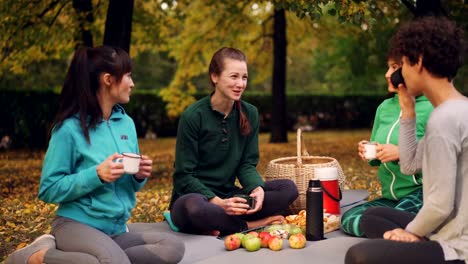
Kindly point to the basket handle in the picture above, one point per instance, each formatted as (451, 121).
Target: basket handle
(301, 148)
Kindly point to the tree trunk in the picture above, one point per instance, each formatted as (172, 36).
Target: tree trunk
(425, 8)
(279, 131)
(119, 24)
(84, 10)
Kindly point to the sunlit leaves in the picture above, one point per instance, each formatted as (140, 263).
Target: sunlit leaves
(33, 31)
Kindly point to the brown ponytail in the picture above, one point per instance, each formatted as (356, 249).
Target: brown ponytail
(244, 124)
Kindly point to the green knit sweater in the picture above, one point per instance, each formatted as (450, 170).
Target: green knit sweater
(211, 153)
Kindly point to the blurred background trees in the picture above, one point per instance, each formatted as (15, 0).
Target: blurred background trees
(294, 46)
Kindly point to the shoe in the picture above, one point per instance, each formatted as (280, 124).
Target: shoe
(21, 256)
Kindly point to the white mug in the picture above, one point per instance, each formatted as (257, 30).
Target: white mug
(131, 162)
(370, 152)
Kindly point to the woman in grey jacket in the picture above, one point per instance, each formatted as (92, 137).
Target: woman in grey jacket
(432, 49)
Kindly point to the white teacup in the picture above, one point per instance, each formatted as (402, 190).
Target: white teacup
(370, 150)
(131, 162)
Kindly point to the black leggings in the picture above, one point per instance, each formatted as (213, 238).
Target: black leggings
(193, 213)
(374, 223)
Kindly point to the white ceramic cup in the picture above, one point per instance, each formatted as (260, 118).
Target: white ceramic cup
(370, 150)
(131, 162)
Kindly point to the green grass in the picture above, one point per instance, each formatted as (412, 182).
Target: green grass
(24, 217)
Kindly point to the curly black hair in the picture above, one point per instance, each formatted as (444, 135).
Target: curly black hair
(437, 40)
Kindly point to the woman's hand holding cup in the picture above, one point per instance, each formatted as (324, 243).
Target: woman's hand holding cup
(362, 149)
(110, 171)
(232, 206)
(387, 152)
(145, 169)
(259, 195)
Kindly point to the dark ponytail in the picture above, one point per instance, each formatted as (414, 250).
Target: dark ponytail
(79, 92)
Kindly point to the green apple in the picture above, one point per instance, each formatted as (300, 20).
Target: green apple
(240, 236)
(245, 238)
(251, 243)
(295, 230)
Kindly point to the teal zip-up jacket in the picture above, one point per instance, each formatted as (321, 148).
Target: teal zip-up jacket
(396, 185)
(69, 176)
(211, 153)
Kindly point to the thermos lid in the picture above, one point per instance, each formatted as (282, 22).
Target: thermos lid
(314, 184)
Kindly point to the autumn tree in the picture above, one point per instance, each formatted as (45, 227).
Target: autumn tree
(256, 23)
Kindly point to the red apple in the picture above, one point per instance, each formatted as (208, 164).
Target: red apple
(264, 238)
(297, 241)
(275, 243)
(232, 242)
(253, 233)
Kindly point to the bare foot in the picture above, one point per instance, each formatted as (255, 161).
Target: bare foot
(37, 257)
(274, 219)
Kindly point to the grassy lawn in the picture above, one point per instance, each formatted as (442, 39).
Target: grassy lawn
(24, 217)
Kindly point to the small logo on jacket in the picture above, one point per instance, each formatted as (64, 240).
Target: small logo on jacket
(123, 137)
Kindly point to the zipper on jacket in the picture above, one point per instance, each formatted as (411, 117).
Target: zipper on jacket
(113, 185)
(385, 164)
(112, 136)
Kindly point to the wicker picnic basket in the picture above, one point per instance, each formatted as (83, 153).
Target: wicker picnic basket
(300, 169)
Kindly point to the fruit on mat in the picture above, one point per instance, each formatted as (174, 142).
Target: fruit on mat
(232, 242)
(251, 243)
(297, 241)
(253, 233)
(264, 238)
(295, 230)
(240, 235)
(275, 243)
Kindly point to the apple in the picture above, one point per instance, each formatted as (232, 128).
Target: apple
(275, 243)
(251, 243)
(297, 241)
(253, 233)
(240, 236)
(245, 238)
(264, 237)
(232, 242)
(295, 230)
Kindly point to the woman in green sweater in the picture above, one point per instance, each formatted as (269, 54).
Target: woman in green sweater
(400, 191)
(217, 144)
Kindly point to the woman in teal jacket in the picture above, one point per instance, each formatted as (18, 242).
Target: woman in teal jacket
(399, 190)
(82, 175)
